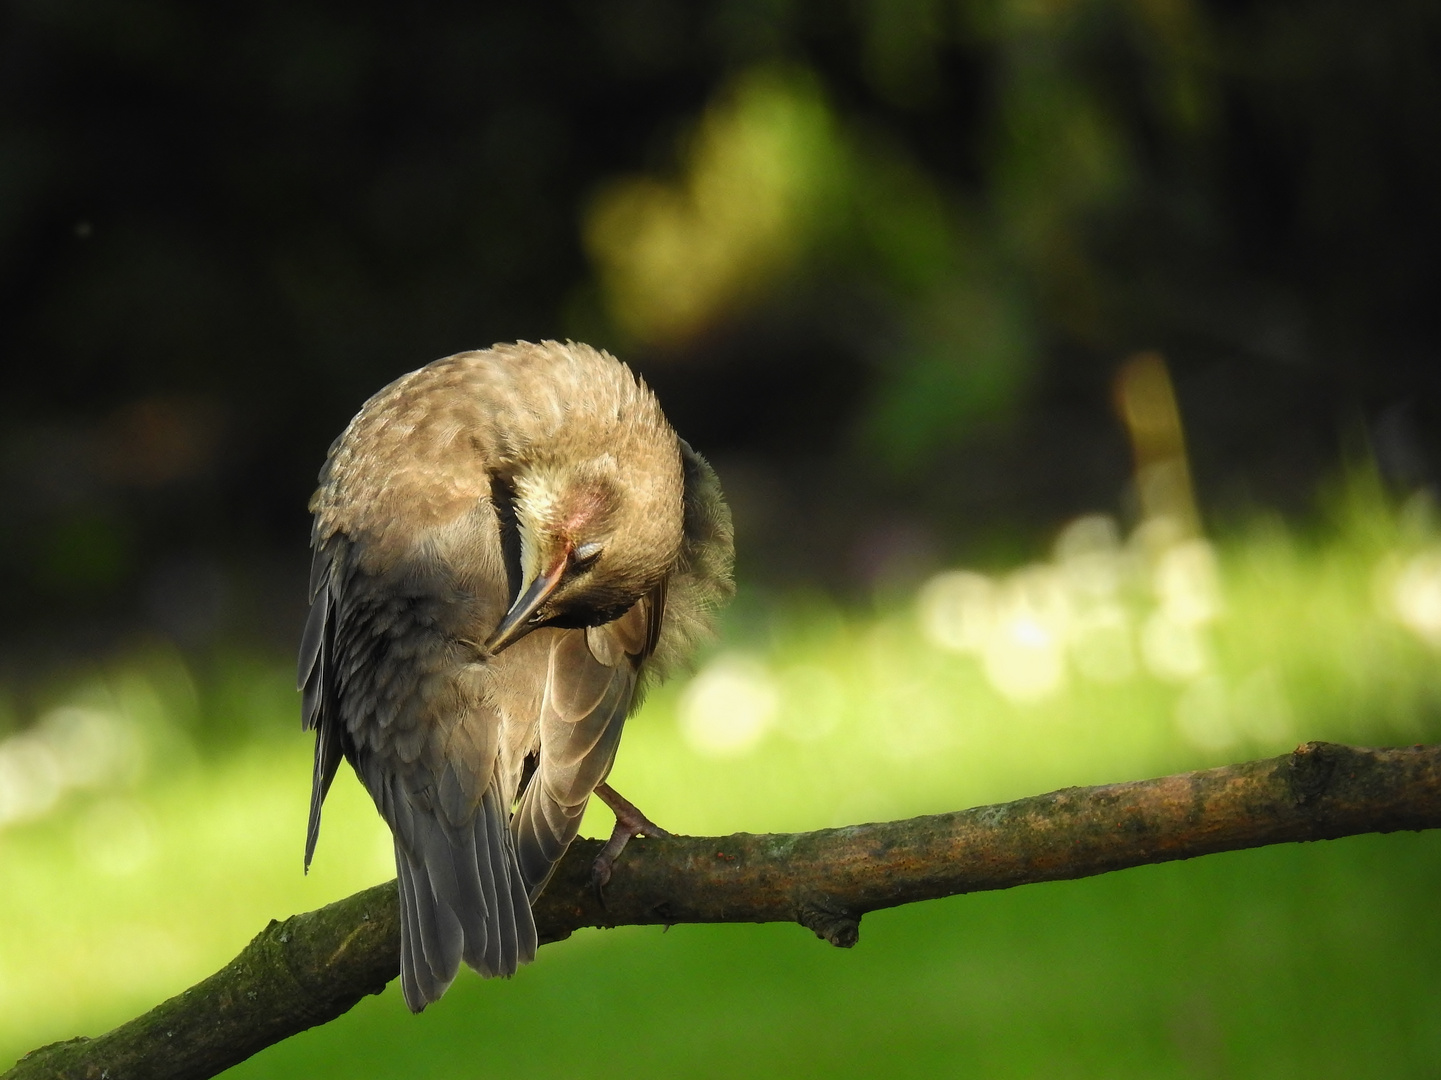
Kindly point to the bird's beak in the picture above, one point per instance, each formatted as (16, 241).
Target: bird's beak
(518, 620)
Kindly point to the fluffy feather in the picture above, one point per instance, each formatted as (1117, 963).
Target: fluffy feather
(455, 489)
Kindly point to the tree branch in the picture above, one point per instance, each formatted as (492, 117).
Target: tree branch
(313, 967)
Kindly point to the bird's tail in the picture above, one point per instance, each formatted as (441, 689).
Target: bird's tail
(462, 897)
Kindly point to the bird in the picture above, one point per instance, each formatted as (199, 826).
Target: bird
(509, 547)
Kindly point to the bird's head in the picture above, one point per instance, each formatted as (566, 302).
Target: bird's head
(599, 513)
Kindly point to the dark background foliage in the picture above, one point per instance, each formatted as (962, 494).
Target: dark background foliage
(223, 226)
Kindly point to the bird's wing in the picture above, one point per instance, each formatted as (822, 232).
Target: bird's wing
(590, 687)
(316, 681)
(408, 705)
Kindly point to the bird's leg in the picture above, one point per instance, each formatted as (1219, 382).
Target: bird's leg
(629, 822)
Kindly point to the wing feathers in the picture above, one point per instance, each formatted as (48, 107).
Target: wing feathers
(543, 829)
(308, 677)
(577, 682)
(317, 684)
(584, 709)
(327, 761)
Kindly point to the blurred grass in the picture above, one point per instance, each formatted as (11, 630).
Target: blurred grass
(1317, 960)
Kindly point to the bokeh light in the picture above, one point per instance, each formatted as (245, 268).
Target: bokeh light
(727, 708)
(1416, 595)
(934, 286)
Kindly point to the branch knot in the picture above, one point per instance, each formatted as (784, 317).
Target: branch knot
(841, 928)
(1312, 766)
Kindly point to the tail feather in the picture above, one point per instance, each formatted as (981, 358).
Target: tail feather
(476, 905)
(461, 899)
(417, 981)
(526, 939)
(442, 938)
(486, 952)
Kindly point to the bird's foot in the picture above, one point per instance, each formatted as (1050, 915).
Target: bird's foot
(629, 823)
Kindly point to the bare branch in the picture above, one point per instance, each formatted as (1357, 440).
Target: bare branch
(313, 967)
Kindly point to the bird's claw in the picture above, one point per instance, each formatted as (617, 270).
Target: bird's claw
(629, 823)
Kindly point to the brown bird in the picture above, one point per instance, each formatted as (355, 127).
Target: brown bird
(509, 545)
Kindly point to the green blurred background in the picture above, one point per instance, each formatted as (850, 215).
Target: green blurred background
(1071, 367)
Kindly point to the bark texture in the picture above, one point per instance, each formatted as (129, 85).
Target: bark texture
(313, 967)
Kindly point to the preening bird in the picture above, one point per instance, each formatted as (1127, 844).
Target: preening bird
(508, 546)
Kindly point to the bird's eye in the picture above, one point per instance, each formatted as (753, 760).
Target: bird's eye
(584, 557)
